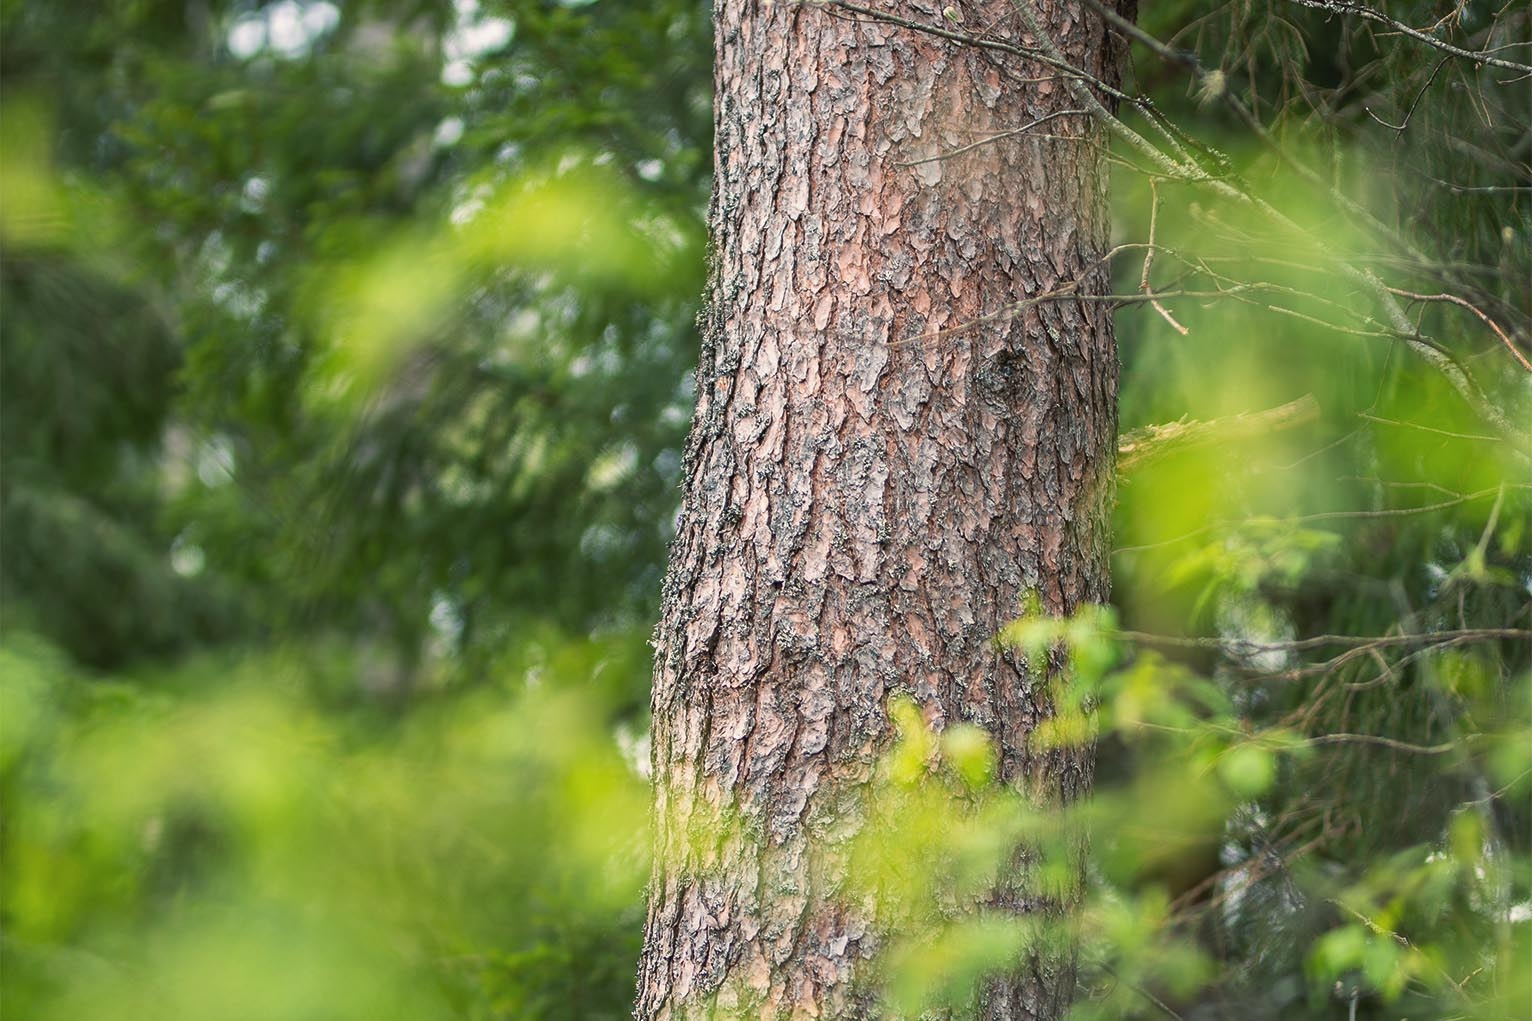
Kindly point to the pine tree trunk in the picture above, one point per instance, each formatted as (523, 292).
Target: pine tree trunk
(877, 474)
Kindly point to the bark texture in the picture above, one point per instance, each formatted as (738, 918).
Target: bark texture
(877, 474)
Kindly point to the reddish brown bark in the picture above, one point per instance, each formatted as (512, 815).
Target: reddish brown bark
(874, 478)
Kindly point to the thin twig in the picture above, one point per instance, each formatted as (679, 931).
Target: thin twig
(1399, 128)
(1389, 512)
(1355, 642)
(1143, 279)
(1012, 133)
(1146, 994)
(1429, 429)
(1455, 300)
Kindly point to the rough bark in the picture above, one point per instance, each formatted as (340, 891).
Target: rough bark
(877, 473)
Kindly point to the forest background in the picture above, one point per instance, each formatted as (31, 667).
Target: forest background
(345, 358)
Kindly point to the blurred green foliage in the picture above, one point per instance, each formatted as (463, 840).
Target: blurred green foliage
(185, 845)
(346, 356)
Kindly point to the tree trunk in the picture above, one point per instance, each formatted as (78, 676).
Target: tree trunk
(881, 468)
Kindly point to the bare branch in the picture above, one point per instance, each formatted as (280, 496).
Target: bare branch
(1149, 250)
(1354, 642)
(1453, 299)
(1441, 361)
(1140, 446)
(1386, 742)
(1361, 10)
(1391, 512)
(1429, 429)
